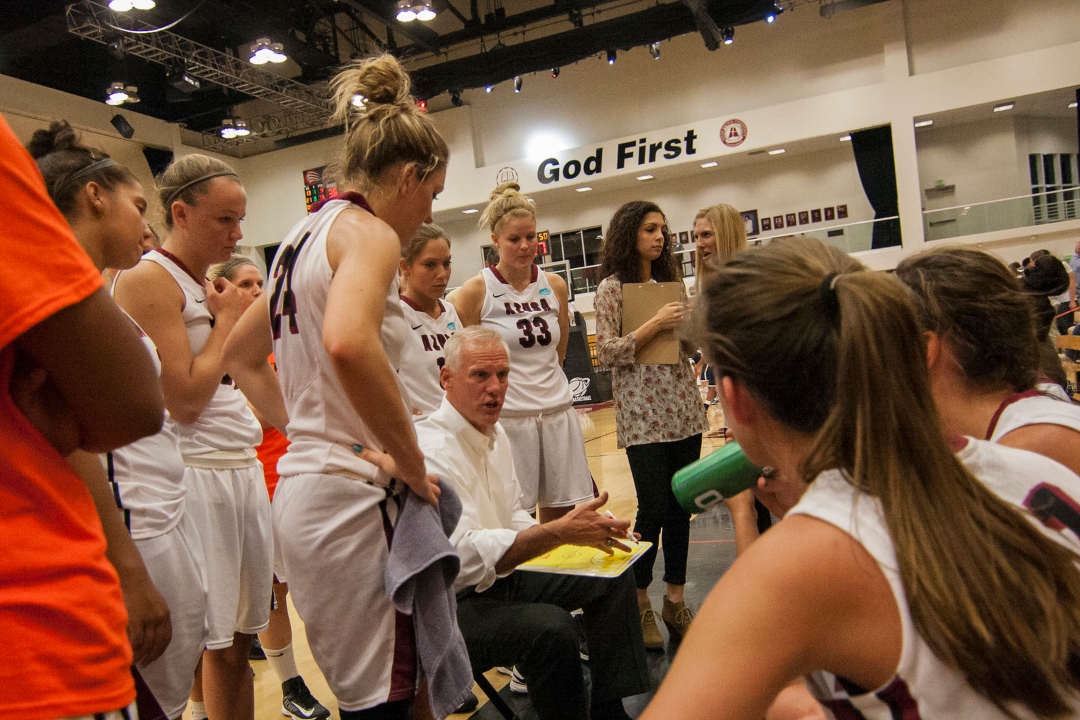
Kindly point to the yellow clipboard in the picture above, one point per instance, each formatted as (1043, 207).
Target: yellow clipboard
(640, 302)
(584, 560)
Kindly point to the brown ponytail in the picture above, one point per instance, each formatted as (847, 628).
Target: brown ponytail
(383, 126)
(991, 595)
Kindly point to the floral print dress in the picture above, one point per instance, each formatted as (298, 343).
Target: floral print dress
(653, 403)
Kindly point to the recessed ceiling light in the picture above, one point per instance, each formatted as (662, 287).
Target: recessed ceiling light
(924, 123)
(778, 151)
(845, 138)
(470, 211)
(1003, 107)
(1072, 106)
(583, 189)
(711, 163)
(644, 177)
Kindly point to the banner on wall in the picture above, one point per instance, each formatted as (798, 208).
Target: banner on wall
(318, 187)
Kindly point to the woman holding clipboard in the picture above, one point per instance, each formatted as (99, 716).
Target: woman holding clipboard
(658, 412)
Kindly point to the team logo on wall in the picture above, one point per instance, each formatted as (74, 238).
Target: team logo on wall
(507, 174)
(733, 133)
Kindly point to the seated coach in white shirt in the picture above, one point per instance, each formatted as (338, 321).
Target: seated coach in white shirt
(513, 617)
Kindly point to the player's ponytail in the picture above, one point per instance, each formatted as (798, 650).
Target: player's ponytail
(506, 201)
(68, 166)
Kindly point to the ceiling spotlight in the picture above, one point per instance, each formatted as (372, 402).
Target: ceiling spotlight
(554, 72)
(584, 188)
(264, 51)
(610, 57)
(424, 11)
(654, 50)
(771, 13)
(489, 88)
(455, 98)
(120, 5)
(132, 93)
(728, 35)
(1003, 107)
(405, 12)
(517, 83)
(924, 123)
(644, 177)
(711, 163)
(228, 129)
(845, 138)
(144, 4)
(116, 94)
(778, 151)
(241, 128)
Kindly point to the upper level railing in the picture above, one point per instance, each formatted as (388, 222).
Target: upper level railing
(1004, 214)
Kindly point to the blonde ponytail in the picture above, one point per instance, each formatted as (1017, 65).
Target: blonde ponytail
(992, 596)
(383, 126)
(506, 201)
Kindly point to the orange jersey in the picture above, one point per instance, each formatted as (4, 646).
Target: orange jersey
(61, 609)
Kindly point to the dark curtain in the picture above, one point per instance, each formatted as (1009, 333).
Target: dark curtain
(877, 171)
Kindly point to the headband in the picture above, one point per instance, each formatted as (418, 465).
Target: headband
(209, 176)
(88, 170)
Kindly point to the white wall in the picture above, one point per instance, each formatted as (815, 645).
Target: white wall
(979, 158)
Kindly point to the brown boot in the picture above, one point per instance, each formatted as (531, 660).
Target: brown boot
(650, 631)
(677, 617)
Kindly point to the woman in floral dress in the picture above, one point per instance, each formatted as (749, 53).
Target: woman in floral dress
(658, 411)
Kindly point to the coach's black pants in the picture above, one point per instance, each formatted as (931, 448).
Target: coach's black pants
(524, 619)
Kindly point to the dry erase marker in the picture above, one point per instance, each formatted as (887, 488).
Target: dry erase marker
(629, 535)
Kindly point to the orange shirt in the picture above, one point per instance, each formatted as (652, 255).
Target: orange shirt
(270, 450)
(62, 616)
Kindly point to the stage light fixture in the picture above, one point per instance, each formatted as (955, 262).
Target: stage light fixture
(772, 13)
(654, 50)
(489, 88)
(263, 51)
(728, 35)
(120, 5)
(405, 12)
(517, 83)
(610, 57)
(228, 129)
(455, 98)
(554, 72)
(424, 11)
(177, 76)
(116, 94)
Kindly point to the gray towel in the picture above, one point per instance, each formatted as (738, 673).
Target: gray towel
(419, 579)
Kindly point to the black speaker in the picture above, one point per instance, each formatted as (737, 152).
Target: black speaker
(122, 126)
(157, 158)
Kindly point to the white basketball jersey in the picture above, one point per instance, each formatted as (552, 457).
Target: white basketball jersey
(924, 687)
(323, 425)
(147, 476)
(529, 324)
(226, 424)
(1032, 408)
(424, 354)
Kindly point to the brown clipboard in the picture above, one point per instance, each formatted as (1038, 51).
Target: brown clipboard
(640, 301)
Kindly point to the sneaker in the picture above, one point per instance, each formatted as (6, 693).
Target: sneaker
(471, 703)
(298, 703)
(677, 617)
(256, 650)
(650, 631)
(517, 682)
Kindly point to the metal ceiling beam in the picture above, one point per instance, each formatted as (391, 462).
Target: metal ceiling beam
(96, 22)
(425, 38)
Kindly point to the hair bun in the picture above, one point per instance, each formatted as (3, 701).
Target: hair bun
(507, 188)
(380, 80)
(59, 136)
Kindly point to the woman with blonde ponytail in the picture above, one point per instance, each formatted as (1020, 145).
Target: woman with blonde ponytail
(530, 309)
(333, 320)
(911, 576)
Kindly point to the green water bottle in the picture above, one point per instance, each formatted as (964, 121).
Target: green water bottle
(718, 475)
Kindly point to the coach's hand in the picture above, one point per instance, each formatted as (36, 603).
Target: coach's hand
(585, 526)
(425, 485)
(149, 622)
